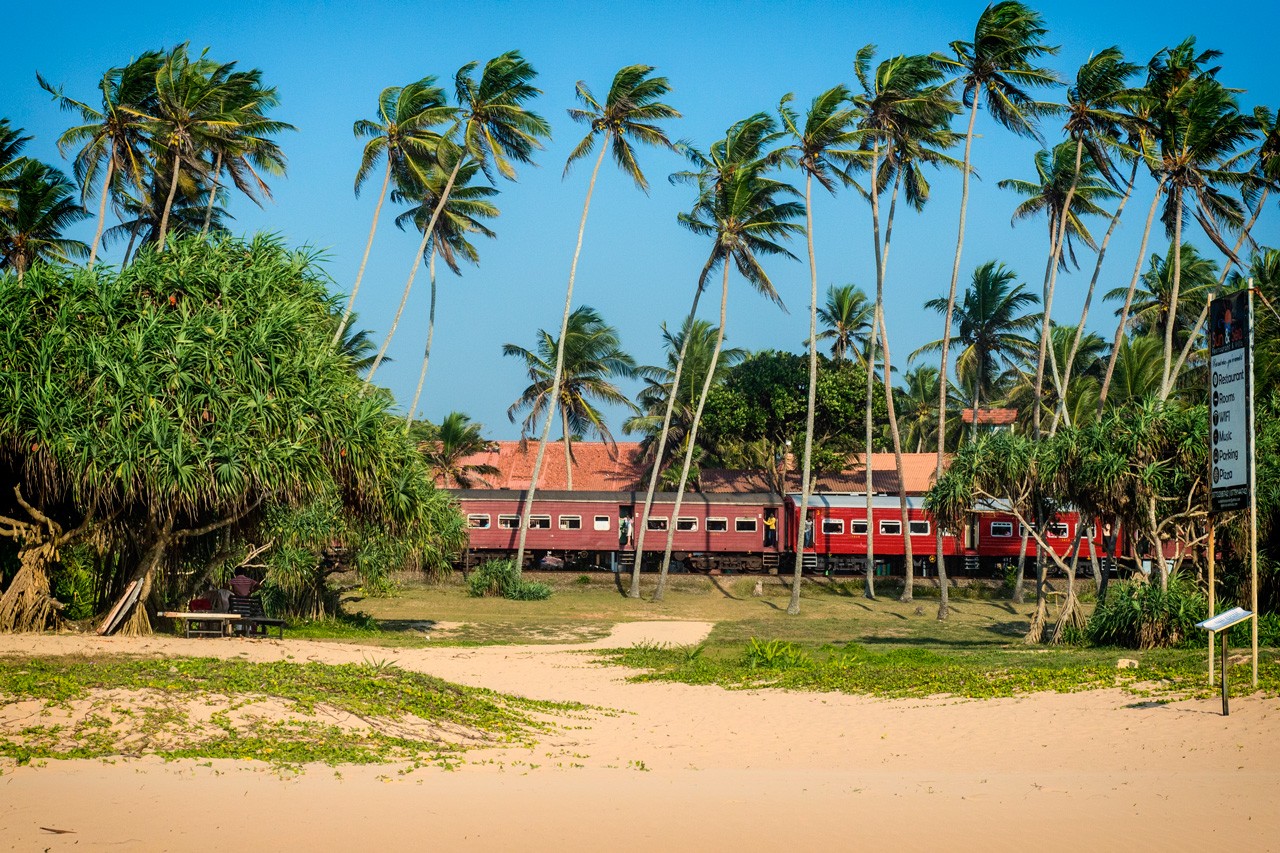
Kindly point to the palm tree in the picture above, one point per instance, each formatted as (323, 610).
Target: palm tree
(592, 356)
(997, 67)
(460, 217)
(406, 136)
(1136, 376)
(848, 321)
(11, 161)
(991, 327)
(745, 214)
(114, 134)
(491, 127)
(626, 116)
(43, 208)
(828, 135)
(917, 404)
(453, 441)
(1152, 302)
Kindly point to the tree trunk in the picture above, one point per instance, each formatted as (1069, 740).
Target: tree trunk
(1019, 583)
(168, 206)
(1166, 382)
(28, 604)
(692, 440)
(642, 522)
(1128, 300)
(128, 249)
(426, 353)
(1070, 617)
(417, 261)
(136, 622)
(908, 557)
(1057, 240)
(869, 588)
(102, 206)
(793, 607)
(351, 300)
(558, 376)
(213, 195)
(1035, 632)
(568, 451)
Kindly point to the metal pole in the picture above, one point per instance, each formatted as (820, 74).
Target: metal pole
(1212, 591)
(1226, 711)
(1253, 497)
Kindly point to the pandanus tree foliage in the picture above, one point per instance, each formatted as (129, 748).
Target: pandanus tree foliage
(190, 393)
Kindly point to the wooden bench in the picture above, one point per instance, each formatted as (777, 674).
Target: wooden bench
(204, 623)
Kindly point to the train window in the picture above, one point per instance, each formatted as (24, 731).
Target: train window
(1002, 528)
(717, 525)
(656, 523)
(832, 526)
(744, 525)
(891, 528)
(919, 528)
(685, 523)
(1059, 530)
(539, 522)
(602, 522)
(478, 521)
(509, 522)
(570, 522)
(1091, 532)
(858, 528)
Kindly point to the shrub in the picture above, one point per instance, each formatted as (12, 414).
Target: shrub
(775, 654)
(502, 578)
(1138, 614)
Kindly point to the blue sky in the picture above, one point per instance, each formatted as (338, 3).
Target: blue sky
(725, 61)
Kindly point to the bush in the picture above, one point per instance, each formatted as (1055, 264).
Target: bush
(1138, 614)
(1268, 631)
(502, 578)
(775, 654)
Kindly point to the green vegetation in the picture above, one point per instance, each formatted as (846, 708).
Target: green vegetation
(502, 578)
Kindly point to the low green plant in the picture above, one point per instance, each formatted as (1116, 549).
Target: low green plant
(1139, 614)
(583, 580)
(775, 654)
(501, 578)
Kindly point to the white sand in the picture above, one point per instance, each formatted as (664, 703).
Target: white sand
(685, 767)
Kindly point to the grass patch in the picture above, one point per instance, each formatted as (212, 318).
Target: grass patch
(283, 713)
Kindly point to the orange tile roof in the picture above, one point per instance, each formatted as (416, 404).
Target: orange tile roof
(990, 417)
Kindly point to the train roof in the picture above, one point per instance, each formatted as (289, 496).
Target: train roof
(857, 501)
(620, 497)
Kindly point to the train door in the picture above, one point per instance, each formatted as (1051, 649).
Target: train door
(626, 526)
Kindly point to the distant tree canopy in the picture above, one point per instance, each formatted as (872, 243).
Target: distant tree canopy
(194, 391)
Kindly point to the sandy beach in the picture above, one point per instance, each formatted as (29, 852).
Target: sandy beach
(688, 767)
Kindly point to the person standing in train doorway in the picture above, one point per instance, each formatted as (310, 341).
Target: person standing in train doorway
(770, 528)
(808, 530)
(624, 529)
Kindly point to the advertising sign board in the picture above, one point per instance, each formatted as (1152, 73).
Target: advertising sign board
(1230, 381)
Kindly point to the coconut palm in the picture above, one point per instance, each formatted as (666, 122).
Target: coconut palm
(1152, 300)
(406, 136)
(113, 134)
(627, 116)
(592, 358)
(918, 406)
(453, 441)
(746, 214)
(460, 217)
(11, 161)
(43, 208)
(826, 137)
(1136, 376)
(847, 320)
(492, 127)
(997, 67)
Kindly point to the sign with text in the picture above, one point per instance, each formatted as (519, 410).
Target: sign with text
(1230, 384)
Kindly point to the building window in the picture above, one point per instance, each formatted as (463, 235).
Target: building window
(478, 521)
(919, 528)
(539, 522)
(744, 525)
(1002, 528)
(891, 528)
(602, 522)
(659, 523)
(570, 522)
(509, 522)
(685, 523)
(858, 528)
(717, 525)
(832, 526)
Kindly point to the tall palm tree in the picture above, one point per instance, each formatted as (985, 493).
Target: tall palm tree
(628, 115)
(453, 441)
(406, 136)
(827, 136)
(466, 206)
(906, 111)
(113, 134)
(991, 327)
(492, 127)
(1136, 375)
(746, 214)
(1152, 301)
(11, 161)
(591, 357)
(918, 406)
(848, 320)
(43, 207)
(997, 67)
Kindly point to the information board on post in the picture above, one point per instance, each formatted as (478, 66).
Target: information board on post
(1230, 381)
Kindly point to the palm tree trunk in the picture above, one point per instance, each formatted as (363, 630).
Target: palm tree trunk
(692, 439)
(951, 309)
(1056, 243)
(977, 396)
(568, 451)
(346, 312)
(213, 195)
(1019, 583)
(558, 377)
(908, 557)
(869, 587)
(1088, 297)
(793, 607)
(1166, 381)
(642, 521)
(102, 206)
(426, 353)
(168, 206)
(128, 249)
(1128, 299)
(417, 261)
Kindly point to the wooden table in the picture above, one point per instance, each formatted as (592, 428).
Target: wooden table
(204, 623)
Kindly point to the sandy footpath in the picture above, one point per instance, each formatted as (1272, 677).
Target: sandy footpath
(684, 767)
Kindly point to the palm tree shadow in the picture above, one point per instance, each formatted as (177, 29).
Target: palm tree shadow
(715, 581)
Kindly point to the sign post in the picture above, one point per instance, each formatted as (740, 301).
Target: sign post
(1220, 624)
(1233, 480)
